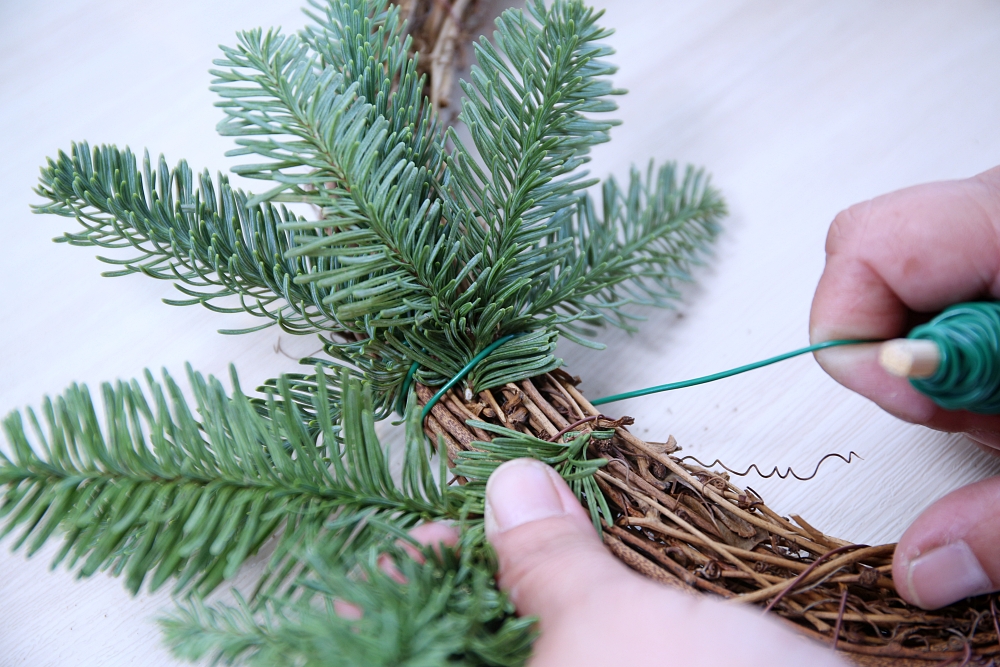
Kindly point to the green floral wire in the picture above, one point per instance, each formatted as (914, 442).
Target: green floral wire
(408, 381)
(400, 406)
(405, 392)
(968, 377)
(725, 374)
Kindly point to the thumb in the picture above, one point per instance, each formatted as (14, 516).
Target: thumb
(952, 550)
(550, 555)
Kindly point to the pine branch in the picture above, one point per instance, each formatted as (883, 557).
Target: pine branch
(417, 258)
(647, 239)
(569, 460)
(366, 41)
(407, 271)
(296, 99)
(445, 611)
(407, 264)
(206, 239)
(390, 263)
(528, 112)
(161, 491)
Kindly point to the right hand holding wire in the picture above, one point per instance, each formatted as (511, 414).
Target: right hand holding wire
(890, 262)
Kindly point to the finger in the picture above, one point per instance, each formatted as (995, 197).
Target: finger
(888, 260)
(555, 567)
(952, 550)
(987, 447)
(434, 535)
(346, 610)
(549, 553)
(857, 368)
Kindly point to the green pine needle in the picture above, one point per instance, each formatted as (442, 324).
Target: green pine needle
(419, 254)
(423, 250)
(163, 490)
(159, 490)
(445, 611)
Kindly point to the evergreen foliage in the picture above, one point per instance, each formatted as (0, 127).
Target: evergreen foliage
(425, 251)
(445, 611)
(419, 254)
(174, 492)
(205, 238)
(169, 492)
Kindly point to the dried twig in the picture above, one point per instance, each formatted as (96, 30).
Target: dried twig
(682, 524)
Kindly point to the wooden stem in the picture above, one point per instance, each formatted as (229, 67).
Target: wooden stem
(910, 358)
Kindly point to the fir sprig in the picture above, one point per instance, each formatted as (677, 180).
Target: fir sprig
(528, 110)
(424, 252)
(190, 494)
(646, 239)
(159, 488)
(204, 236)
(418, 255)
(285, 96)
(444, 611)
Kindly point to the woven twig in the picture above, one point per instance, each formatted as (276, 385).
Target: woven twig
(693, 529)
(443, 32)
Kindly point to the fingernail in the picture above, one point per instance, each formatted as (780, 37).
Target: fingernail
(946, 574)
(519, 492)
(984, 437)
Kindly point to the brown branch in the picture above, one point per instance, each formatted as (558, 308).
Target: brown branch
(573, 426)
(840, 618)
(805, 573)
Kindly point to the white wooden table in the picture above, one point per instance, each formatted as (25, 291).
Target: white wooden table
(798, 108)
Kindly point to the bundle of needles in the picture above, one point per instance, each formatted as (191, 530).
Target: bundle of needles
(426, 255)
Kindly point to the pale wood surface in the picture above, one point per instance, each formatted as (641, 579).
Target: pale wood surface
(798, 108)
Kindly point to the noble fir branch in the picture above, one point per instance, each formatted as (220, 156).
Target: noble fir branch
(391, 264)
(160, 490)
(445, 611)
(367, 42)
(644, 240)
(294, 99)
(528, 110)
(164, 491)
(417, 257)
(339, 117)
(569, 460)
(201, 235)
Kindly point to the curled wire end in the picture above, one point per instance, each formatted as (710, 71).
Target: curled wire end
(781, 475)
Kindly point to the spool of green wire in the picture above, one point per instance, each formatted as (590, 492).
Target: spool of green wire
(954, 359)
(968, 375)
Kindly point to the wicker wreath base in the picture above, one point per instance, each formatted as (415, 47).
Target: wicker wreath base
(693, 529)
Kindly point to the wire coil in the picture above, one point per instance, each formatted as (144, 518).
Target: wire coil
(968, 377)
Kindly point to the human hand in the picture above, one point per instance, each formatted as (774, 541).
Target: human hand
(593, 610)
(890, 262)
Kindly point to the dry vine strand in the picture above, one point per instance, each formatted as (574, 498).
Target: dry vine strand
(681, 524)
(789, 472)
